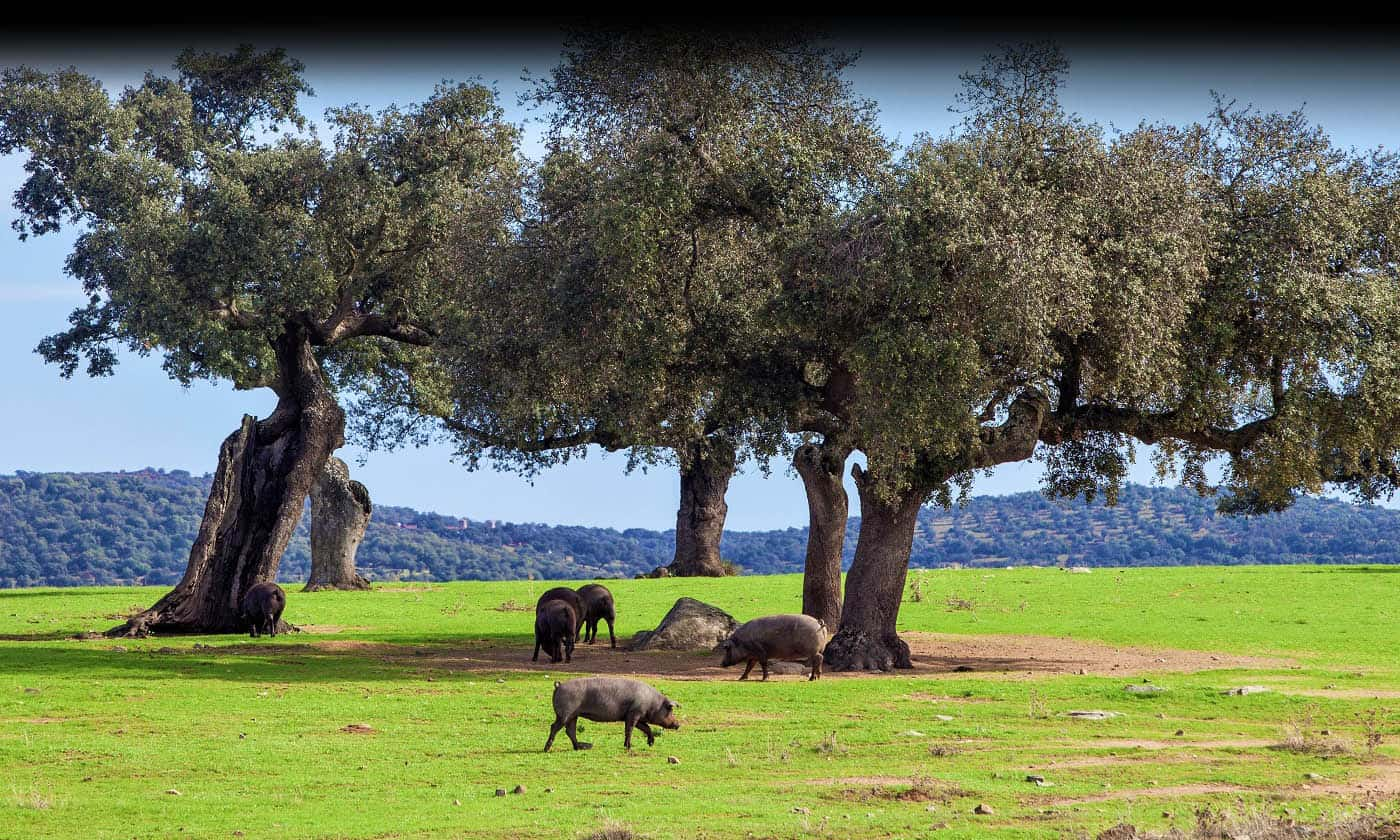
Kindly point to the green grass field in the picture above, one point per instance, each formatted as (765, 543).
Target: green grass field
(234, 737)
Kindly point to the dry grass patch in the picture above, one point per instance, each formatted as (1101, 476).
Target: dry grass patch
(1211, 825)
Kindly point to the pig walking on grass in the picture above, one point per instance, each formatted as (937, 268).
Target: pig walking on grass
(556, 628)
(777, 638)
(597, 606)
(262, 607)
(609, 700)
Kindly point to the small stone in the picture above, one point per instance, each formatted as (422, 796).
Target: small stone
(984, 809)
(943, 717)
(1093, 714)
(671, 759)
(1144, 689)
(800, 810)
(519, 789)
(1314, 777)
(500, 791)
(174, 792)
(1246, 690)
(457, 802)
(1180, 732)
(1037, 779)
(1083, 672)
(911, 733)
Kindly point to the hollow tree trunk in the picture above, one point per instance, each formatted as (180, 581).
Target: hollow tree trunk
(867, 640)
(265, 471)
(340, 511)
(705, 474)
(821, 468)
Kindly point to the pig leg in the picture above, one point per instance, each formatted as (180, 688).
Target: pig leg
(553, 730)
(632, 719)
(571, 729)
(646, 730)
(611, 639)
(764, 663)
(745, 675)
(816, 663)
(536, 657)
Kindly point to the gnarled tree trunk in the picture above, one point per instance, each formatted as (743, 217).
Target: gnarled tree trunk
(340, 511)
(866, 640)
(265, 471)
(705, 473)
(822, 468)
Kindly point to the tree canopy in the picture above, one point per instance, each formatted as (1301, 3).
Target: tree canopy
(212, 216)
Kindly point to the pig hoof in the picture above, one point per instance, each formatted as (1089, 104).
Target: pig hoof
(583, 745)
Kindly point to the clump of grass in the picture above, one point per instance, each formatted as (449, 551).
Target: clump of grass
(955, 603)
(1036, 707)
(830, 746)
(731, 569)
(944, 750)
(916, 589)
(611, 830)
(1372, 731)
(32, 799)
(1303, 734)
(512, 606)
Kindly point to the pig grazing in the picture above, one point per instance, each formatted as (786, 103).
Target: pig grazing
(777, 638)
(608, 700)
(569, 596)
(262, 607)
(556, 627)
(597, 606)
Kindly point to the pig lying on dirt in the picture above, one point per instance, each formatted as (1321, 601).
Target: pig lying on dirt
(568, 596)
(556, 627)
(608, 700)
(597, 605)
(262, 607)
(776, 638)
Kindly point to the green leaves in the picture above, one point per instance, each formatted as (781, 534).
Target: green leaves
(203, 233)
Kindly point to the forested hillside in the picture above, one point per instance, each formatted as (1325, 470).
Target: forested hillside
(68, 529)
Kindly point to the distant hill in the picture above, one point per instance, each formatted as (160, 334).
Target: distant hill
(70, 529)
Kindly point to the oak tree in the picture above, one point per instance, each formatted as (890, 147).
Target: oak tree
(218, 230)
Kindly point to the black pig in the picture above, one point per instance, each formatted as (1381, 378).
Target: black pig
(262, 607)
(556, 627)
(569, 596)
(776, 638)
(597, 605)
(608, 700)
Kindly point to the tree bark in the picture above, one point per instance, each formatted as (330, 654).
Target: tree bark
(867, 639)
(340, 512)
(266, 469)
(706, 469)
(822, 467)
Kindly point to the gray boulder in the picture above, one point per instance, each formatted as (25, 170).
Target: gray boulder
(690, 625)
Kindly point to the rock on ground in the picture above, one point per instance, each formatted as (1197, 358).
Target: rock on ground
(690, 625)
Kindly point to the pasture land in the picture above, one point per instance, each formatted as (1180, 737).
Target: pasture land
(398, 713)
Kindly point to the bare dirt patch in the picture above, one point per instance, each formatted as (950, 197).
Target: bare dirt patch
(1052, 655)
(933, 654)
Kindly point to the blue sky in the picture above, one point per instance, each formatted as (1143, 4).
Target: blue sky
(139, 418)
